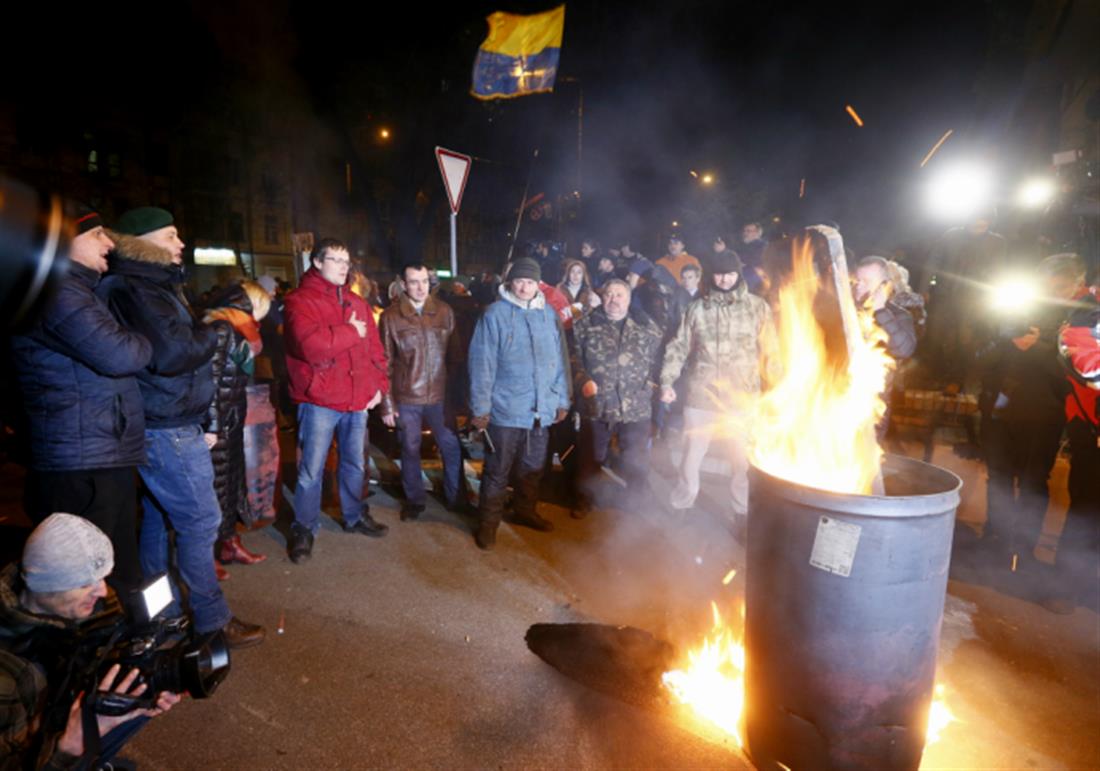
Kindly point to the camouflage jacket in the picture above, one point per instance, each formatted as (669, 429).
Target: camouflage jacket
(622, 366)
(719, 346)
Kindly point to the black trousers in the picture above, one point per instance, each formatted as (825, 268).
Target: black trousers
(105, 497)
(1019, 455)
(521, 449)
(1079, 546)
(595, 440)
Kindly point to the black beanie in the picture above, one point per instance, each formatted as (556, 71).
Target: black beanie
(726, 261)
(144, 219)
(525, 267)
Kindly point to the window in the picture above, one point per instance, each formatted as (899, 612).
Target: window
(271, 229)
(93, 162)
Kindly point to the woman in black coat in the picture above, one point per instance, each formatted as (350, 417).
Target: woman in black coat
(235, 316)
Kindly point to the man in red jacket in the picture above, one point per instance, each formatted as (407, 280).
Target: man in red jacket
(337, 371)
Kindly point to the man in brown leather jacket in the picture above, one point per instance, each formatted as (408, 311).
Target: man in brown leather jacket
(417, 333)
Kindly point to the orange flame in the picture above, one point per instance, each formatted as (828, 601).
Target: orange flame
(939, 716)
(713, 682)
(816, 424)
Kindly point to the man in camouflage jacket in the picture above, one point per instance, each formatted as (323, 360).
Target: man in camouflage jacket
(614, 354)
(720, 346)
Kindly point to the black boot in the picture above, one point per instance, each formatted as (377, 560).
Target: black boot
(486, 536)
(300, 548)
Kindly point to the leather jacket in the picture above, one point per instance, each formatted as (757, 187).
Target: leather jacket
(417, 347)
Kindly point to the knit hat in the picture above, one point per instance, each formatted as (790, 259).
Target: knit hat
(144, 219)
(84, 218)
(726, 261)
(66, 552)
(525, 267)
(268, 283)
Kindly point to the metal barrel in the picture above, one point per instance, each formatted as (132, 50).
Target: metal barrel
(843, 608)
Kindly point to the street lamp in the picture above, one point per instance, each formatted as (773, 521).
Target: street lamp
(707, 179)
(384, 133)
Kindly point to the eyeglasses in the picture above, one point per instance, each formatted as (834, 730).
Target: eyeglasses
(337, 260)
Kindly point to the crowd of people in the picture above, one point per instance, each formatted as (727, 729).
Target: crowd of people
(132, 394)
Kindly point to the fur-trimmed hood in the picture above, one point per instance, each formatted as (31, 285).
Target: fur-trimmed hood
(139, 250)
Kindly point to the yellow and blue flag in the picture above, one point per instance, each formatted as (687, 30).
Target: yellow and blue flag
(520, 56)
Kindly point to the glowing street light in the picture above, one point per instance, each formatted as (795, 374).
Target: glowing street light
(707, 179)
(384, 133)
(1035, 193)
(958, 192)
(675, 224)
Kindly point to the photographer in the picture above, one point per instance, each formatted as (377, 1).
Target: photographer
(1022, 402)
(43, 603)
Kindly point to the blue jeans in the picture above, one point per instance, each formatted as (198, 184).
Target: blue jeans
(112, 742)
(316, 425)
(410, 421)
(179, 491)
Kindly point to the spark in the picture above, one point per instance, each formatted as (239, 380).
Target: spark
(936, 147)
(855, 116)
(802, 188)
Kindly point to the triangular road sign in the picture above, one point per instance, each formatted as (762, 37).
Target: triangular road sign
(455, 168)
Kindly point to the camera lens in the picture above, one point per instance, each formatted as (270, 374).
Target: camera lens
(33, 249)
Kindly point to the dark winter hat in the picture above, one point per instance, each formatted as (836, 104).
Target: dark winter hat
(726, 261)
(144, 219)
(525, 267)
(676, 237)
(84, 218)
(66, 552)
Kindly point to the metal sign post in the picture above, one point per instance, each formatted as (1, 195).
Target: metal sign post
(455, 169)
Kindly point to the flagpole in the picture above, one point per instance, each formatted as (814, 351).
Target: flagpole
(519, 216)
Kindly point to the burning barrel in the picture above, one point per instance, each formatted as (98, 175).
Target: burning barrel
(844, 602)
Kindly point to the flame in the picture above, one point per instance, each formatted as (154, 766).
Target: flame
(713, 682)
(816, 424)
(939, 716)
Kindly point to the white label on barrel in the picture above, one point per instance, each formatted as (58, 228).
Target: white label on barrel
(835, 546)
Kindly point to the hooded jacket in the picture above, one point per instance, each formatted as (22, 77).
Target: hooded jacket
(329, 365)
(232, 366)
(144, 289)
(518, 363)
(30, 726)
(76, 368)
(719, 345)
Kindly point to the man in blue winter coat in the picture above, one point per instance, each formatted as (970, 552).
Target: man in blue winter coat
(519, 387)
(76, 368)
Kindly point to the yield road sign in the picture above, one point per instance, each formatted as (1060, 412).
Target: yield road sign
(455, 168)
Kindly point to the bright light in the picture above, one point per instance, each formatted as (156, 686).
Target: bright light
(707, 179)
(694, 173)
(1035, 193)
(675, 224)
(1012, 295)
(215, 257)
(855, 116)
(958, 192)
(384, 133)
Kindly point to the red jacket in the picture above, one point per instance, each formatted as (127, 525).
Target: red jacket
(328, 363)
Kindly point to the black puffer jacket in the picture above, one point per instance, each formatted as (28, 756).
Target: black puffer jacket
(76, 368)
(144, 290)
(232, 366)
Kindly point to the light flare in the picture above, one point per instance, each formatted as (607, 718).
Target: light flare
(939, 716)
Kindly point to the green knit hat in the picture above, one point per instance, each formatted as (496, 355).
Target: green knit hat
(142, 220)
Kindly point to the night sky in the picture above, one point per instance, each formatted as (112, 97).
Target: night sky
(754, 93)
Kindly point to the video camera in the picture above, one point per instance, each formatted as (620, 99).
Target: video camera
(167, 652)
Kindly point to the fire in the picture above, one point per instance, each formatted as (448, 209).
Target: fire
(939, 716)
(713, 683)
(816, 424)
